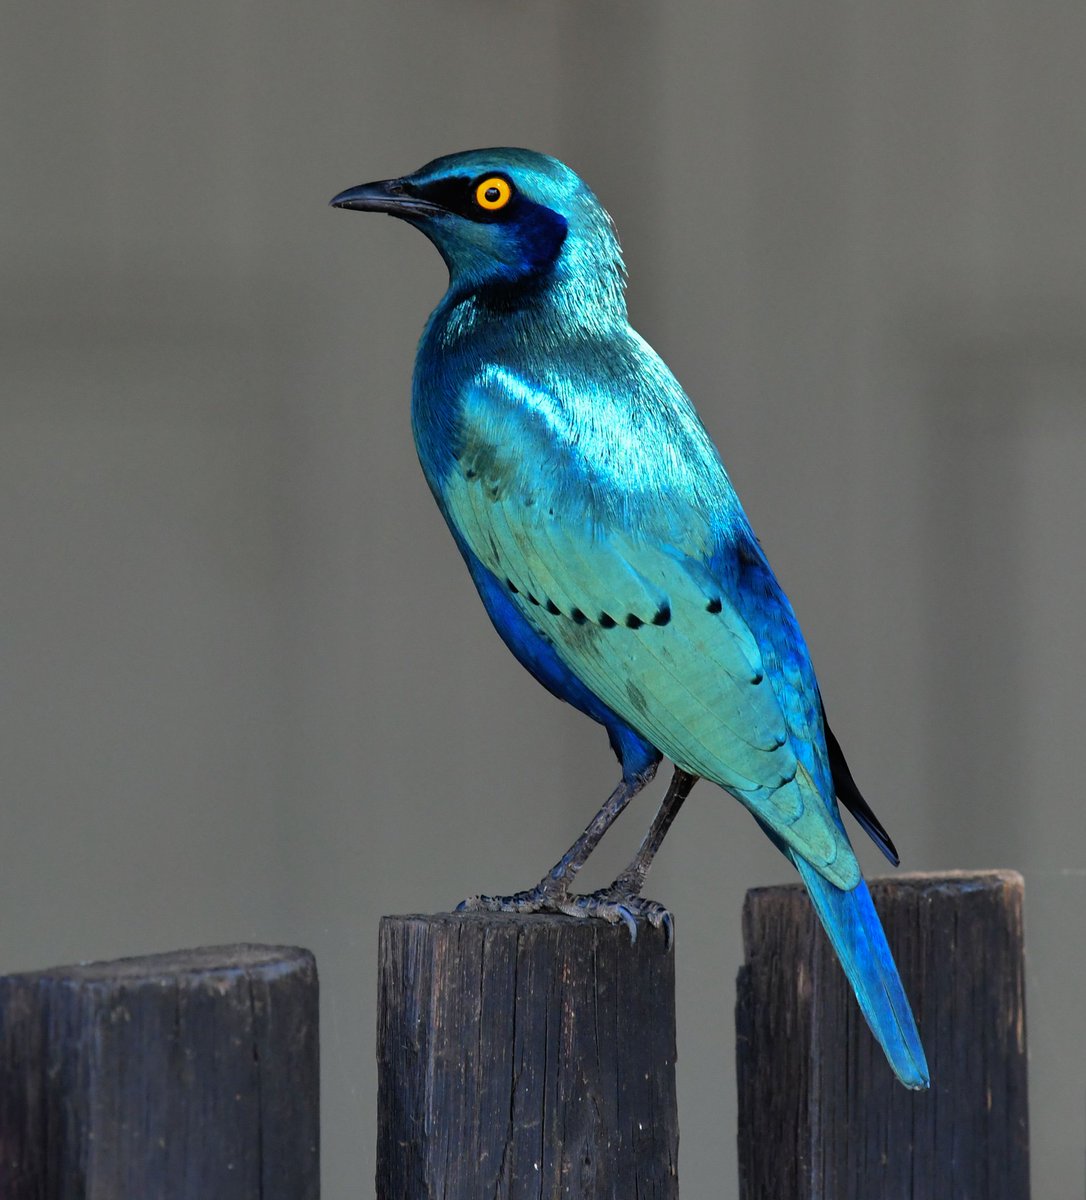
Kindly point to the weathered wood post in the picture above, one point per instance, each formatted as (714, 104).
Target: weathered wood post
(525, 1057)
(821, 1117)
(184, 1076)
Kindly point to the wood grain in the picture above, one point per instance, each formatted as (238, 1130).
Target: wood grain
(172, 1077)
(525, 1056)
(820, 1113)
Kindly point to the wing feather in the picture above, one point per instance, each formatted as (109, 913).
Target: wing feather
(645, 625)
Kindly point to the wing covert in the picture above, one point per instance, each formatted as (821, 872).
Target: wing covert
(642, 623)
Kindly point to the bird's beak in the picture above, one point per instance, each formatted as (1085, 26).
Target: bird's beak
(386, 196)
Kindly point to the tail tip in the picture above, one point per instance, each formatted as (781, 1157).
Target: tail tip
(914, 1075)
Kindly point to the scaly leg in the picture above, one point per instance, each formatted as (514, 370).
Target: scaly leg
(622, 900)
(551, 894)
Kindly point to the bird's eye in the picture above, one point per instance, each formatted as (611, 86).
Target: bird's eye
(493, 193)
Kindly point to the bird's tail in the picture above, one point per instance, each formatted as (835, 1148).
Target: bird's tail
(857, 935)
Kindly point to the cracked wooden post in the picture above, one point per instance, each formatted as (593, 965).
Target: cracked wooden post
(525, 1056)
(820, 1113)
(175, 1077)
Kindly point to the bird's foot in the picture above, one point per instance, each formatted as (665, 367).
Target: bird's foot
(617, 903)
(544, 897)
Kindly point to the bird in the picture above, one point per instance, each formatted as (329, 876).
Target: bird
(611, 551)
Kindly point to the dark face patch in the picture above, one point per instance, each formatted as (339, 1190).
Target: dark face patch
(458, 194)
(536, 231)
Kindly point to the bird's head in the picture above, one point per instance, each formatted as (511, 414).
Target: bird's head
(506, 222)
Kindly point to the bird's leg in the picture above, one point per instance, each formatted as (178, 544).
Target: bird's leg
(622, 900)
(551, 893)
(632, 879)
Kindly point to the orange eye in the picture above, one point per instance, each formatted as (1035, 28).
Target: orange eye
(493, 193)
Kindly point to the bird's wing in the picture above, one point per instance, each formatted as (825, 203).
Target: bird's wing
(645, 626)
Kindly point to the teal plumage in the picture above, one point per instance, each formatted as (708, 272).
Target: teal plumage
(610, 548)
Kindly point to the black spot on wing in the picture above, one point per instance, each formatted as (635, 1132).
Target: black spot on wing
(604, 619)
(631, 620)
(512, 587)
(714, 605)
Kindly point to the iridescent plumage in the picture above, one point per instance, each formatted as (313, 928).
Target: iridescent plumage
(608, 545)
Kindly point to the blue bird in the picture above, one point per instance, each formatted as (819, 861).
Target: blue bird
(611, 551)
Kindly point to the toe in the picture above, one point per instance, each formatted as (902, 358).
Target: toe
(537, 899)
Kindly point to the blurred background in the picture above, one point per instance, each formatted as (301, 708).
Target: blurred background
(249, 692)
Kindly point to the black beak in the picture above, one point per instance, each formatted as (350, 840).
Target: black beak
(386, 196)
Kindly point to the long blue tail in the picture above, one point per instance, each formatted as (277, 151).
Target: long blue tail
(857, 936)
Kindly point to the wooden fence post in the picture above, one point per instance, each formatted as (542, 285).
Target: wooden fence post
(524, 1057)
(186, 1076)
(821, 1117)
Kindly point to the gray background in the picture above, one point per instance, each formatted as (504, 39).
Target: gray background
(248, 689)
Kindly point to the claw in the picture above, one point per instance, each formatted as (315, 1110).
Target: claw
(631, 921)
